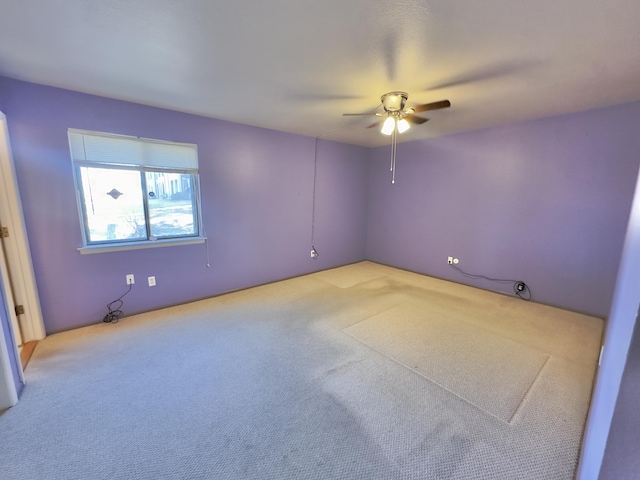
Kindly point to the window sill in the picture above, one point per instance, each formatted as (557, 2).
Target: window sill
(140, 245)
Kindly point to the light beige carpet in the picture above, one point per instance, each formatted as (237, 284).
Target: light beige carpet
(361, 372)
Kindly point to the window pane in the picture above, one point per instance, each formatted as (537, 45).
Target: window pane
(172, 207)
(112, 204)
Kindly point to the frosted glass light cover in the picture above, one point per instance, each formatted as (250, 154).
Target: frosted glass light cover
(388, 126)
(403, 125)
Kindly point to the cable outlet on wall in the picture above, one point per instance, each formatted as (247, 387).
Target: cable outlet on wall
(152, 281)
(130, 279)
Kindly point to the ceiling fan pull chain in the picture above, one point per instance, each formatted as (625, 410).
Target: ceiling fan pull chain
(394, 145)
(392, 154)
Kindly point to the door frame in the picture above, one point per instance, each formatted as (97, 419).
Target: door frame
(16, 245)
(9, 354)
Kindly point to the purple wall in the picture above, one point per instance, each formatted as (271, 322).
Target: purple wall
(256, 187)
(546, 202)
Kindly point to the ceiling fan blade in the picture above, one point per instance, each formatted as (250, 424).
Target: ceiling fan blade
(486, 73)
(415, 119)
(374, 124)
(432, 106)
(365, 114)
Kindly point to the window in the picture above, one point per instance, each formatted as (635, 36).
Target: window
(135, 191)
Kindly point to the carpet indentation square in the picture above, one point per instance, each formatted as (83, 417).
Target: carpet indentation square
(344, 277)
(491, 372)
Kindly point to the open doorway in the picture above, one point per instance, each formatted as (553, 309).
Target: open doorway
(21, 302)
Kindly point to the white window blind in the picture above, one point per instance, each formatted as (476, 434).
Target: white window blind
(105, 148)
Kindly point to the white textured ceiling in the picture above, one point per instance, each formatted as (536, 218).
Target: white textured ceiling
(297, 65)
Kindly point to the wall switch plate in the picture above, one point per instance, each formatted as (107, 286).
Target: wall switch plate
(130, 279)
(152, 281)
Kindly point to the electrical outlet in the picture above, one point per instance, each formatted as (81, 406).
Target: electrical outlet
(152, 281)
(449, 260)
(130, 279)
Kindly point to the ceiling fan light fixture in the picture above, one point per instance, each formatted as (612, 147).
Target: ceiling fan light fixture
(388, 126)
(396, 115)
(403, 125)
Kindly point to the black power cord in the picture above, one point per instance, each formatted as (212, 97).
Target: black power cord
(520, 288)
(113, 309)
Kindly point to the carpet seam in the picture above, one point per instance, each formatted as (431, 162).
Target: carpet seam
(529, 390)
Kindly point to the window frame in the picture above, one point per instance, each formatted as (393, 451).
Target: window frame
(109, 245)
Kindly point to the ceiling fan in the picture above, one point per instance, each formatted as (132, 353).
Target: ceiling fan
(398, 118)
